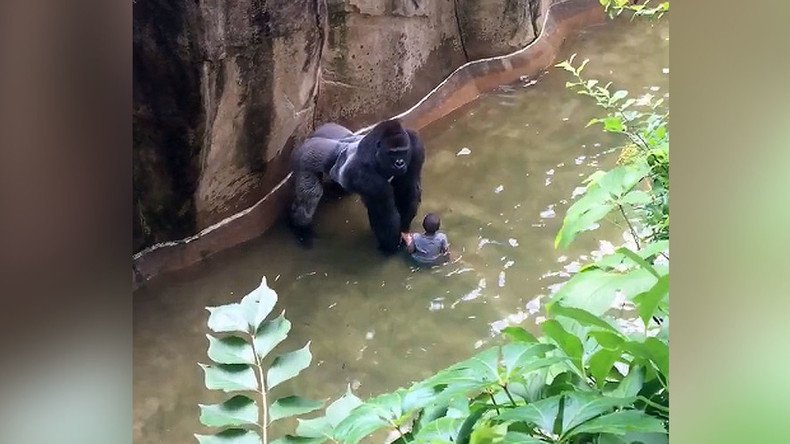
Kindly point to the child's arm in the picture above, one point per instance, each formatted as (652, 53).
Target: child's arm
(407, 239)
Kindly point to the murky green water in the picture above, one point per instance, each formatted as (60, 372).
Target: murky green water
(378, 323)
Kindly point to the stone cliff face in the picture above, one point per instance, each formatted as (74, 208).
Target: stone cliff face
(498, 27)
(383, 56)
(223, 90)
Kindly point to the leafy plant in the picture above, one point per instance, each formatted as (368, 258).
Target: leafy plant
(244, 338)
(644, 161)
(616, 7)
(560, 388)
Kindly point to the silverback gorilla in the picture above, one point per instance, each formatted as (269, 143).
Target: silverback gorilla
(383, 167)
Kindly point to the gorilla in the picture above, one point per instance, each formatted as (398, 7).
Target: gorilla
(383, 167)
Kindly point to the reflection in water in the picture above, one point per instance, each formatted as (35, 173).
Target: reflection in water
(501, 173)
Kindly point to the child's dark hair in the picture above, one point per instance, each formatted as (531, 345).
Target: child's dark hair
(431, 223)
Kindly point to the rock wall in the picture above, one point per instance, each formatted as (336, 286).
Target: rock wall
(258, 84)
(166, 119)
(223, 90)
(498, 27)
(383, 56)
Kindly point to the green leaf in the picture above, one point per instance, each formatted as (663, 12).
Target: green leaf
(620, 423)
(430, 414)
(613, 124)
(581, 67)
(291, 439)
(633, 438)
(442, 429)
(636, 197)
(647, 302)
(589, 209)
(622, 179)
(565, 65)
(468, 426)
(362, 421)
(388, 405)
(418, 397)
(541, 413)
(292, 405)
(229, 377)
(475, 373)
(270, 334)
(335, 413)
(521, 438)
(523, 371)
(458, 408)
(599, 199)
(288, 365)
(581, 316)
(231, 436)
(518, 355)
(485, 364)
(230, 350)
(236, 411)
(638, 259)
(488, 434)
(652, 350)
(314, 428)
(628, 103)
(607, 339)
(659, 353)
(630, 385)
(519, 334)
(258, 304)
(227, 319)
(593, 178)
(601, 364)
(580, 407)
(570, 344)
(619, 95)
(594, 290)
(338, 410)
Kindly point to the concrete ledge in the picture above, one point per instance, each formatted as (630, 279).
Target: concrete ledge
(461, 87)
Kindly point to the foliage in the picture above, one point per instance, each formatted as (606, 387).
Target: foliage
(243, 340)
(563, 387)
(617, 7)
(644, 161)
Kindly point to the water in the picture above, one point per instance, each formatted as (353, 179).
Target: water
(500, 172)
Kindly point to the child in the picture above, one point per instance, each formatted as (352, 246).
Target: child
(430, 248)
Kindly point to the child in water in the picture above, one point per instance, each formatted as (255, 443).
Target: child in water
(430, 248)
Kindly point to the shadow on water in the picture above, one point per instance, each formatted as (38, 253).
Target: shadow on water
(501, 172)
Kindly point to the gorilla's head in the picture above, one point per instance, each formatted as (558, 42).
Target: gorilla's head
(393, 152)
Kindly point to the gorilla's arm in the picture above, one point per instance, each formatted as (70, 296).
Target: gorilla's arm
(408, 188)
(382, 213)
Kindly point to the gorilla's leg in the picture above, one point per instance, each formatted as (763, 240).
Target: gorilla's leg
(307, 195)
(383, 217)
(408, 187)
(332, 131)
(408, 196)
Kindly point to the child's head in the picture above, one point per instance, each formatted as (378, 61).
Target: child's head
(431, 223)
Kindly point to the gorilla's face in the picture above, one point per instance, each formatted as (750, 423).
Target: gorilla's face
(394, 155)
(398, 159)
(393, 148)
